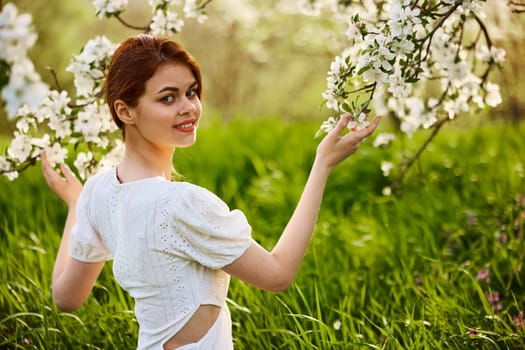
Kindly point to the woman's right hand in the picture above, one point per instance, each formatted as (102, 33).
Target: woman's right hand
(335, 147)
(64, 183)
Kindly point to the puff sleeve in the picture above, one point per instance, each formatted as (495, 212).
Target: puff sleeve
(207, 231)
(86, 244)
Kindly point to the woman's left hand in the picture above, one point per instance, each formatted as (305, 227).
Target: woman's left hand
(64, 183)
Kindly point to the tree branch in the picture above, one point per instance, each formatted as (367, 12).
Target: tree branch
(55, 78)
(203, 5)
(405, 166)
(126, 24)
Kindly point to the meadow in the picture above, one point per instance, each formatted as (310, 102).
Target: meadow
(439, 267)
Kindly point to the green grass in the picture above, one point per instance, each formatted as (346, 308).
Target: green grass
(381, 272)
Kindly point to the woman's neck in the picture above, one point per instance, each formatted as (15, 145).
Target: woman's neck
(145, 162)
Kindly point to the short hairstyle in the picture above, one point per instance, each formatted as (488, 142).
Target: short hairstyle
(135, 61)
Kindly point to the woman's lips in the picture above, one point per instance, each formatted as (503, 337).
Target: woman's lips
(186, 126)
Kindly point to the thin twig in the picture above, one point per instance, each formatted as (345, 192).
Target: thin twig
(446, 15)
(202, 6)
(30, 162)
(396, 186)
(366, 87)
(55, 78)
(131, 26)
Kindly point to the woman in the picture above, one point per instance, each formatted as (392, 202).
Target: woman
(174, 244)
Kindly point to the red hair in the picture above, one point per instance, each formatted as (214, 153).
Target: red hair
(135, 61)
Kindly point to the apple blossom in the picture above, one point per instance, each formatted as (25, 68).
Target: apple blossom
(24, 85)
(107, 8)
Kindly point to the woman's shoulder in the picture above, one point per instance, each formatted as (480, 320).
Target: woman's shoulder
(191, 190)
(103, 178)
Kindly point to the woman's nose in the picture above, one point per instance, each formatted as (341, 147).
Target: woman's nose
(188, 106)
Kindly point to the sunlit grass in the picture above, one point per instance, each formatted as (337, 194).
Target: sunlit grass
(381, 273)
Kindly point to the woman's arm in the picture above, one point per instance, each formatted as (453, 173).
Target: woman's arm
(72, 279)
(277, 269)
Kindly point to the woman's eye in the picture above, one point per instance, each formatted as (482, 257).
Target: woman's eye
(191, 93)
(168, 99)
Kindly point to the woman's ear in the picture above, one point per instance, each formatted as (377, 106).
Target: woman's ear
(124, 113)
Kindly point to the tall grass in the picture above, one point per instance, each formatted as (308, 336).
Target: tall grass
(381, 272)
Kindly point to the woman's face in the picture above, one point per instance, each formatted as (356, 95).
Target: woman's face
(168, 112)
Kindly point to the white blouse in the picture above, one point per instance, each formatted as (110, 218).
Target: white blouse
(169, 241)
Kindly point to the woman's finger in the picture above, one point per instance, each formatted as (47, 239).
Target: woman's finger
(66, 171)
(361, 134)
(47, 170)
(341, 125)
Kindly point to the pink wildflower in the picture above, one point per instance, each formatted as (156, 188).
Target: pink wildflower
(518, 320)
(483, 275)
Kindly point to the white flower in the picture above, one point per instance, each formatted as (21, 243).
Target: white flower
(88, 123)
(16, 34)
(165, 22)
(402, 18)
(89, 66)
(113, 157)
(331, 101)
(82, 163)
(191, 10)
(397, 85)
(472, 5)
(41, 143)
(386, 167)
(454, 106)
(358, 123)
(109, 7)
(56, 154)
(24, 87)
(494, 54)
(20, 147)
(375, 75)
(402, 46)
(60, 125)
(412, 114)
(337, 325)
(24, 123)
(383, 139)
(5, 165)
(12, 175)
(328, 125)
(493, 96)
(353, 32)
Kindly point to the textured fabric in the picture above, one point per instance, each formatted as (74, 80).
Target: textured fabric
(168, 241)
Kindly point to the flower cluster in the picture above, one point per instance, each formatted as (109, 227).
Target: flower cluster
(19, 82)
(56, 123)
(108, 8)
(411, 49)
(167, 17)
(166, 20)
(89, 68)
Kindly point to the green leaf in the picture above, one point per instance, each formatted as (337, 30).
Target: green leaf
(362, 70)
